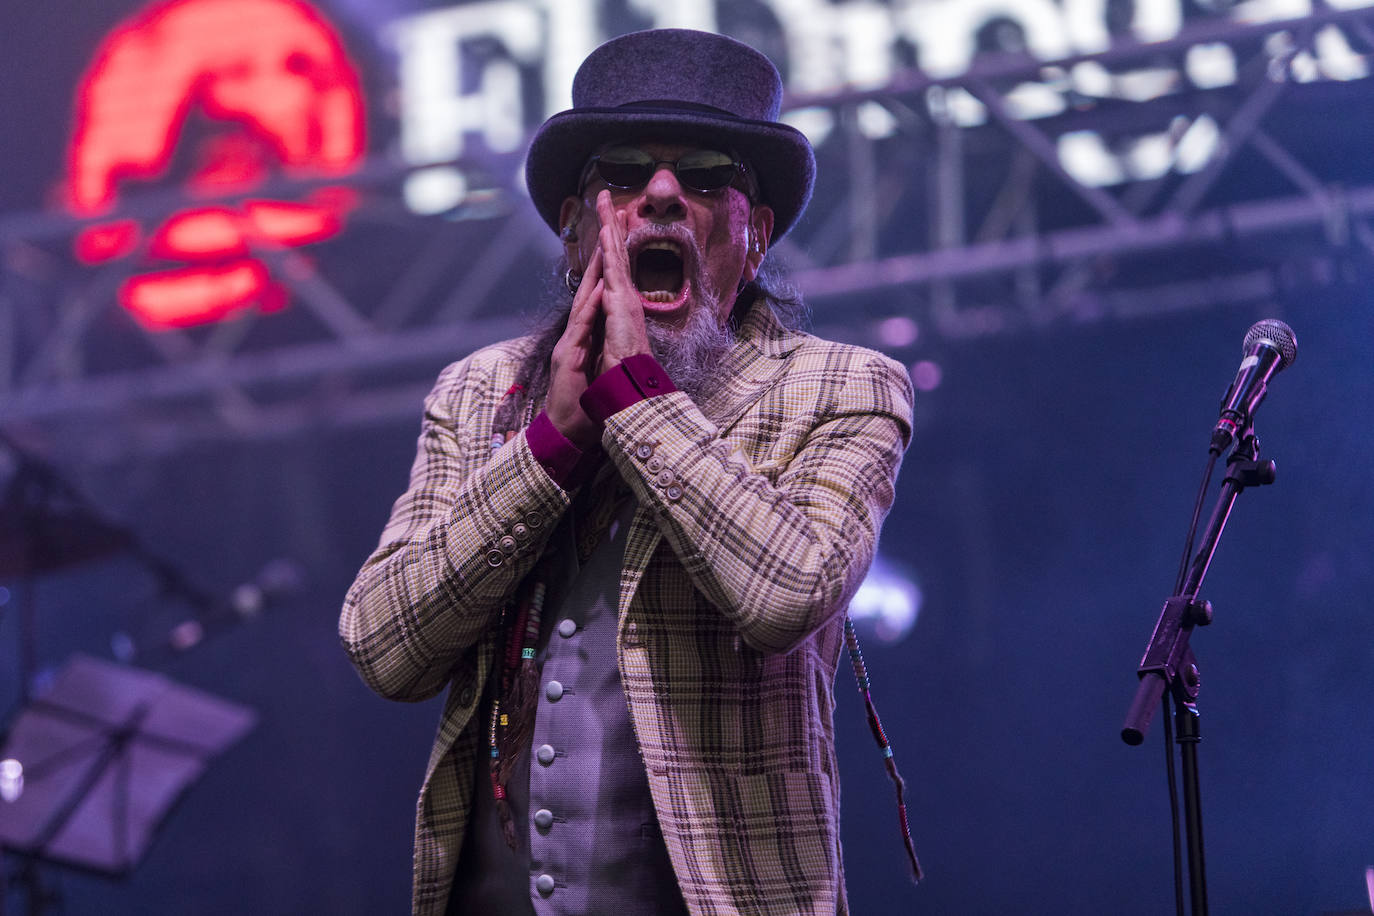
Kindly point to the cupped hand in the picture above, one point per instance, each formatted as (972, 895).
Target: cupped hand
(575, 358)
(625, 333)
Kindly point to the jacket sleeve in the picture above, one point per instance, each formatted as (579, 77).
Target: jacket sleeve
(468, 528)
(779, 547)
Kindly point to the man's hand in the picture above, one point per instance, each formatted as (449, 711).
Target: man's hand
(606, 325)
(624, 334)
(574, 360)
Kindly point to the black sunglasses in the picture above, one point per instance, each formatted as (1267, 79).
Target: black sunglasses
(630, 168)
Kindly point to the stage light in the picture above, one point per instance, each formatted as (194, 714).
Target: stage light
(875, 122)
(926, 375)
(434, 190)
(898, 331)
(1338, 60)
(814, 121)
(1210, 65)
(11, 780)
(1029, 101)
(1199, 143)
(887, 603)
(1088, 160)
(1149, 156)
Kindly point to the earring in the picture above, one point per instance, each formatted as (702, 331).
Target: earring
(572, 280)
(567, 234)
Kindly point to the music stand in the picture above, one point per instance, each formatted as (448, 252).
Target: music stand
(45, 526)
(106, 751)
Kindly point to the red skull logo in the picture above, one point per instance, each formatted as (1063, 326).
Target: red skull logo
(267, 85)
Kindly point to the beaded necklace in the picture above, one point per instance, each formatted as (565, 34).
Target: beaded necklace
(512, 710)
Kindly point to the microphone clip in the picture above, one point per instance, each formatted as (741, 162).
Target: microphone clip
(1244, 469)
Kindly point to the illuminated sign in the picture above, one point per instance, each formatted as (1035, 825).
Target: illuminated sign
(223, 94)
(229, 92)
(829, 47)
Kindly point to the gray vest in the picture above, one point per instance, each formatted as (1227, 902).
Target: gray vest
(591, 842)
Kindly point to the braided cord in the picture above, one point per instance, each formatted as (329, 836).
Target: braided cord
(851, 641)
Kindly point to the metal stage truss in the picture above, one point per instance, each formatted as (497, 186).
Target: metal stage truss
(957, 225)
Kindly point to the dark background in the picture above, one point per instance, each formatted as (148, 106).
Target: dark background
(1042, 505)
(1042, 508)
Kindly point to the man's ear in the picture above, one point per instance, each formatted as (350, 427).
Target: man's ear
(569, 220)
(760, 231)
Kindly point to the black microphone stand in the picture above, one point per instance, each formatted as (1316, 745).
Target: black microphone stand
(1169, 663)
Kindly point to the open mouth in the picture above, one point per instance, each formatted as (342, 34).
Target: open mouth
(659, 271)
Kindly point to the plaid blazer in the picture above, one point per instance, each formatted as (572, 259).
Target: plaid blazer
(758, 513)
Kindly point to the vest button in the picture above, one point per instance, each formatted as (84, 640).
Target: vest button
(544, 884)
(543, 818)
(554, 691)
(567, 628)
(545, 754)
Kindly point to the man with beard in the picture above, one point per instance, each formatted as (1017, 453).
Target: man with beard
(628, 541)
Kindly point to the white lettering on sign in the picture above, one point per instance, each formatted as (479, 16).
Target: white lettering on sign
(675, 14)
(436, 109)
(450, 93)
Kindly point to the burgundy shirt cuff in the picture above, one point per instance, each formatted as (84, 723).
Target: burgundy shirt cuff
(636, 378)
(566, 464)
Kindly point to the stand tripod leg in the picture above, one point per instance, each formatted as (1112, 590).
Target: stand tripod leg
(39, 898)
(1186, 717)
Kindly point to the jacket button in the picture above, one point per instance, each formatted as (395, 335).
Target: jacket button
(507, 544)
(665, 478)
(495, 558)
(521, 531)
(644, 451)
(534, 519)
(655, 465)
(674, 493)
(465, 697)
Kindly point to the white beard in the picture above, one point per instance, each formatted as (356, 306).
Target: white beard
(692, 355)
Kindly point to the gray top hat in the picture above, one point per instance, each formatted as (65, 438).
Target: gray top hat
(675, 85)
